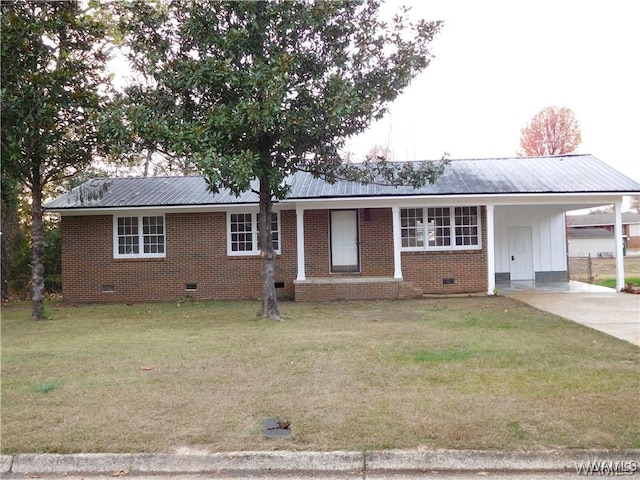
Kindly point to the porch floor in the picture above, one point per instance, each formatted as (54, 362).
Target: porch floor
(340, 279)
(531, 286)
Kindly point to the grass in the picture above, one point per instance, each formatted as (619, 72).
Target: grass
(482, 373)
(611, 282)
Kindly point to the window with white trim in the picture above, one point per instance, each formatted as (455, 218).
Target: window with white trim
(139, 236)
(242, 233)
(440, 228)
(467, 226)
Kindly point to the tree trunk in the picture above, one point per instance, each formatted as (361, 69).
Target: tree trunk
(147, 162)
(37, 248)
(270, 307)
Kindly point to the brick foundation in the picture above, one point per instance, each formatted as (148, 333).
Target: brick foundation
(364, 288)
(196, 246)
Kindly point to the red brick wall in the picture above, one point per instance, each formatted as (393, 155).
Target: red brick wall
(197, 253)
(468, 268)
(309, 291)
(376, 243)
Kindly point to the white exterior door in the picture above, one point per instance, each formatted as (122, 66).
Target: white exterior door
(344, 241)
(521, 253)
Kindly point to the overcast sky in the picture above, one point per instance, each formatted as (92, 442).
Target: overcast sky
(500, 62)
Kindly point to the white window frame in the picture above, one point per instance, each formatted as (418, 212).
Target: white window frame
(452, 232)
(254, 233)
(139, 217)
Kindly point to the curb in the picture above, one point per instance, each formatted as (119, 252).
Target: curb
(232, 462)
(497, 461)
(287, 462)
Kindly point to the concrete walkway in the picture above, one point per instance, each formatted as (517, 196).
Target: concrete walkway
(614, 313)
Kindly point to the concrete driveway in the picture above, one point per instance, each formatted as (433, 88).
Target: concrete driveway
(614, 313)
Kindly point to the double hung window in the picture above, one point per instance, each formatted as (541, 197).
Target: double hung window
(243, 235)
(139, 236)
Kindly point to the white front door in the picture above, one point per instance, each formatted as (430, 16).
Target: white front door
(521, 253)
(344, 241)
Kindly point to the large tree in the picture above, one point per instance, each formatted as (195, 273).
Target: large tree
(54, 83)
(260, 90)
(552, 131)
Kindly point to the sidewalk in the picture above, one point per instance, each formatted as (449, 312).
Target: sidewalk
(285, 464)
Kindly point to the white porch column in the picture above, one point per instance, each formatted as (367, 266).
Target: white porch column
(397, 243)
(491, 264)
(300, 242)
(617, 228)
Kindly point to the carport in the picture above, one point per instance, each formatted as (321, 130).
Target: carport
(527, 240)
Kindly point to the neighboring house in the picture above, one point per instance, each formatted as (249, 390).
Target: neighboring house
(593, 233)
(156, 239)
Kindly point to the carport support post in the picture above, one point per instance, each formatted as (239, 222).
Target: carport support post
(617, 228)
(491, 266)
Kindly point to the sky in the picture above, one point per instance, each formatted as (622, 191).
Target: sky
(498, 63)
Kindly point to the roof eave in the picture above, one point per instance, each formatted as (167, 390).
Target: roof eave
(514, 198)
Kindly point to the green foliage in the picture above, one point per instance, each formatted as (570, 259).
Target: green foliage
(260, 90)
(54, 88)
(16, 263)
(52, 255)
(11, 234)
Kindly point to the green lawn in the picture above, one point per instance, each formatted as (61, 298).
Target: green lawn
(480, 373)
(611, 282)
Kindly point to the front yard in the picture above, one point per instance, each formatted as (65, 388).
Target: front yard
(478, 373)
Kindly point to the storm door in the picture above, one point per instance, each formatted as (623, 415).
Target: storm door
(344, 241)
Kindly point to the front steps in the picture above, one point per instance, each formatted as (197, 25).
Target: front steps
(354, 288)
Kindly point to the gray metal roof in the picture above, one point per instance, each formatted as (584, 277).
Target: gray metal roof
(600, 219)
(557, 174)
(590, 233)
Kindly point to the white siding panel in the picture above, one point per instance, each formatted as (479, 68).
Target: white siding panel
(558, 241)
(583, 247)
(548, 232)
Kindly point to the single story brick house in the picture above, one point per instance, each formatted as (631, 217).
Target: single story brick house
(484, 220)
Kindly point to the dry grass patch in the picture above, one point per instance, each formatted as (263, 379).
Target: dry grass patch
(438, 373)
